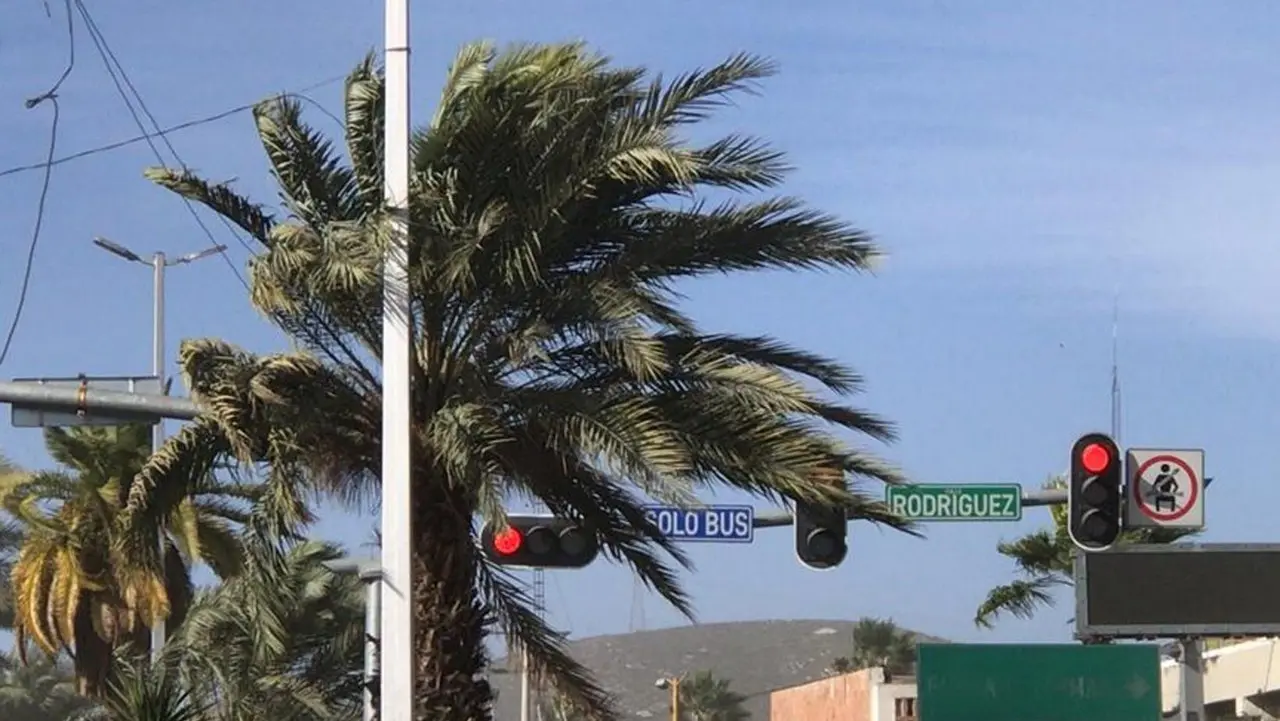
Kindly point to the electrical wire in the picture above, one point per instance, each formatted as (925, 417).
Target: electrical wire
(50, 96)
(120, 79)
(193, 123)
(125, 87)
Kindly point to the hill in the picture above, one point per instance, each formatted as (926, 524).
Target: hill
(755, 656)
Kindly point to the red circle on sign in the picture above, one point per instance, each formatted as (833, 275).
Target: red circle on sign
(1193, 490)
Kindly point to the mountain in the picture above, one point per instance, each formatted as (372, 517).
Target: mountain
(757, 657)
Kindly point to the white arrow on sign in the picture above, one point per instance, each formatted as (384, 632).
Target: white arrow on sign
(1137, 688)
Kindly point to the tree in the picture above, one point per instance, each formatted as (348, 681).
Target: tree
(553, 707)
(881, 643)
(1044, 563)
(284, 639)
(703, 697)
(146, 691)
(555, 207)
(73, 589)
(878, 643)
(10, 542)
(42, 690)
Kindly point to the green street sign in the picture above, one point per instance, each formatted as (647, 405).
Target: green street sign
(1046, 682)
(971, 502)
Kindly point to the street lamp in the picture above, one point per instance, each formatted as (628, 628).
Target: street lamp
(673, 683)
(370, 572)
(158, 263)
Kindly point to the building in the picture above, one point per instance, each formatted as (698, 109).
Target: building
(871, 694)
(1241, 681)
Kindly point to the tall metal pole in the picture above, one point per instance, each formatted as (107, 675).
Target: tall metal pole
(397, 659)
(372, 627)
(1191, 669)
(158, 265)
(526, 692)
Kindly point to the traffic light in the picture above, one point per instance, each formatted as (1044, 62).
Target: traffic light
(1094, 497)
(821, 535)
(539, 542)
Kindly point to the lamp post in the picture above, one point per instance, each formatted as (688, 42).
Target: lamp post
(672, 683)
(158, 262)
(370, 572)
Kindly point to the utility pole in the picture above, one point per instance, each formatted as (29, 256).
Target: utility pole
(397, 637)
(158, 263)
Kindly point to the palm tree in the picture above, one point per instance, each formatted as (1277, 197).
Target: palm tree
(282, 640)
(10, 542)
(42, 690)
(1044, 562)
(703, 697)
(73, 590)
(555, 206)
(146, 691)
(553, 707)
(878, 643)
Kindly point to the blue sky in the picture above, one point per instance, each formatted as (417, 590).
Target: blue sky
(1018, 161)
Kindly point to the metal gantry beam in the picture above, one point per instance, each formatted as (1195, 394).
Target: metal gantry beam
(107, 402)
(90, 400)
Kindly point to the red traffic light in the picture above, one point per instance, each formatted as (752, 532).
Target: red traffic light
(1095, 458)
(508, 541)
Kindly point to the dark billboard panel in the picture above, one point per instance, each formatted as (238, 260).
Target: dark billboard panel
(1164, 591)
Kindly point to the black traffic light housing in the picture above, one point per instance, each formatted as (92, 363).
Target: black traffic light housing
(1095, 495)
(821, 535)
(539, 542)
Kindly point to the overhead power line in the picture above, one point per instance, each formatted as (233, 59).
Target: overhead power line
(49, 96)
(142, 138)
(137, 109)
(120, 79)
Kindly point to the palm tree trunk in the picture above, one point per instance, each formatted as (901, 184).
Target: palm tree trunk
(450, 622)
(91, 658)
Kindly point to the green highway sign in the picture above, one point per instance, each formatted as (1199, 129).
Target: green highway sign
(971, 502)
(1046, 682)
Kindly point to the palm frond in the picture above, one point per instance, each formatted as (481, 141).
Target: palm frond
(1020, 598)
(556, 204)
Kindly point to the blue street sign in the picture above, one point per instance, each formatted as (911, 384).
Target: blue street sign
(717, 524)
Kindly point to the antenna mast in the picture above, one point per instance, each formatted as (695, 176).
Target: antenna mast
(1115, 368)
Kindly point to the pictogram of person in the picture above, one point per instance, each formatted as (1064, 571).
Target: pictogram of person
(1165, 488)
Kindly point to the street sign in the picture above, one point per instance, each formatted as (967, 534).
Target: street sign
(1179, 590)
(1164, 488)
(25, 416)
(1046, 682)
(968, 502)
(721, 524)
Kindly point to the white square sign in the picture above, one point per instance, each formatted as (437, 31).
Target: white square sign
(1164, 488)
